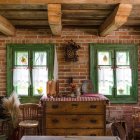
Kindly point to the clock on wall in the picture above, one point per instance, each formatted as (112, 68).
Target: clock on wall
(71, 51)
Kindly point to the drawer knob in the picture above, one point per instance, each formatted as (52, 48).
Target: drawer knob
(55, 121)
(74, 134)
(74, 119)
(75, 105)
(55, 134)
(92, 134)
(93, 106)
(54, 106)
(93, 121)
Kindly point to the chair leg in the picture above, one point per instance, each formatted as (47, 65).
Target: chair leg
(134, 137)
(38, 130)
(2, 127)
(21, 132)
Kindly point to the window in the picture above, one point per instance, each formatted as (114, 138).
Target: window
(113, 70)
(28, 69)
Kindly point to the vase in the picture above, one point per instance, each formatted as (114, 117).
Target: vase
(14, 135)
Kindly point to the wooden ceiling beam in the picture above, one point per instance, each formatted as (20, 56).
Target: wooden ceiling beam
(116, 19)
(69, 1)
(54, 18)
(6, 27)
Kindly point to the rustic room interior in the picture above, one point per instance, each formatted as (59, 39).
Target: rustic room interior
(79, 60)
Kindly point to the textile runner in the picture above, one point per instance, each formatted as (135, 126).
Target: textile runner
(91, 97)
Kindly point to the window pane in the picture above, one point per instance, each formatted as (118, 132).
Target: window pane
(104, 58)
(122, 58)
(21, 80)
(40, 78)
(21, 58)
(39, 88)
(105, 80)
(40, 58)
(124, 80)
(22, 89)
(21, 77)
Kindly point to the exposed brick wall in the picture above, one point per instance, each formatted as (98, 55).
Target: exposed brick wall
(79, 70)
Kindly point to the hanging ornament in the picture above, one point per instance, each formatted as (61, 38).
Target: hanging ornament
(105, 58)
(23, 59)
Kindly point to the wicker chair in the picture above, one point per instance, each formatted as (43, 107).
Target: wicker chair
(136, 122)
(30, 120)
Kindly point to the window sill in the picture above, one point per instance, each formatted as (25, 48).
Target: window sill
(34, 99)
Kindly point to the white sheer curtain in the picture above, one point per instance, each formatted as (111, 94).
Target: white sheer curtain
(55, 72)
(21, 75)
(106, 75)
(124, 76)
(40, 74)
(40, 78)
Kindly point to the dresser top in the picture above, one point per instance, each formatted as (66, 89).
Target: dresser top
(87, 97)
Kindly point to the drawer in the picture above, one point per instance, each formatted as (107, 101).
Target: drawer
(75, 132)
(75, 121)
(75, 107)
(55, 132)
(55, 107)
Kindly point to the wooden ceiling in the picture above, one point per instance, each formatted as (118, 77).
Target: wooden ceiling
(104, 16)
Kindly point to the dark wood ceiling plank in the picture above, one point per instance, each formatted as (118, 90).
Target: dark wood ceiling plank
(81, 22)
(22, 7)
(24, 14)
(92, 27)
(69, 1)
(87, 6)
(82, 17)
(29, 22)
(86, 12)
(32, 27)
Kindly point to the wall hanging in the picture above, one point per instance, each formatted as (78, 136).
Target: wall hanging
(71, 51)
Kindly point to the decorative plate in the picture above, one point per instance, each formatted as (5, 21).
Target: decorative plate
(87, 86)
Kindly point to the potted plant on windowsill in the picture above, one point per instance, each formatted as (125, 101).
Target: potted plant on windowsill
(11, 106)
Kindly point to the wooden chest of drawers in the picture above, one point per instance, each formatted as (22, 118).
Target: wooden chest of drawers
(75, 118)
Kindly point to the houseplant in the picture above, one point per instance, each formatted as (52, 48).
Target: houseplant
(11, 106)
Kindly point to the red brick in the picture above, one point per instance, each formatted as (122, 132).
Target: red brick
(125, 37)
(134, 33)
(85, 36)
(121, 33)
(136, 37)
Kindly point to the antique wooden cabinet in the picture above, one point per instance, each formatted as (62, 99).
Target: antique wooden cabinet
(75, 118)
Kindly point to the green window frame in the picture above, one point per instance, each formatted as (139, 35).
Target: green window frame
(113, 49)
(31, 49)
